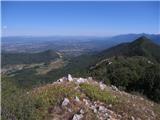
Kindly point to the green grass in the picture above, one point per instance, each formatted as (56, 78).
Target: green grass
(52, 95)
(95, 93)
(17, 104)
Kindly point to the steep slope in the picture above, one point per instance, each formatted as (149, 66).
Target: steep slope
(28, 58)
(78, 99)
(133, 66)
(140, 47)
(130, 73)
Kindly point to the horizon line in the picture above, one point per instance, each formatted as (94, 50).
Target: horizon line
(76, 35)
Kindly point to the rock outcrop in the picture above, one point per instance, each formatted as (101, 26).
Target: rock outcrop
(93, 100)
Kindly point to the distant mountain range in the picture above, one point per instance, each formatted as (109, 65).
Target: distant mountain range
(69, 44)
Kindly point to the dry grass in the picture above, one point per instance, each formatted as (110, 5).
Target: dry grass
(50, 97)
(136, 106)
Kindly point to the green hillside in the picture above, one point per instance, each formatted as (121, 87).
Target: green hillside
(140, 47)
(131, 66)
(28, 58)
(131, 74)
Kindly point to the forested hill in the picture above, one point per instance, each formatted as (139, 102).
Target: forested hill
(133, 66)
(140, 47)
(28, 58)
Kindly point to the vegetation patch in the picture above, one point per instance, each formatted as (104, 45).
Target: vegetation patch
(133, 74)
(95, 93)
(22, 105)
(51, 95)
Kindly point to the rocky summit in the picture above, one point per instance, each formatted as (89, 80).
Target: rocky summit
(72, 98)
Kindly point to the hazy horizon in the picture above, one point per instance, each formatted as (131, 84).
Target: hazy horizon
(80, 35)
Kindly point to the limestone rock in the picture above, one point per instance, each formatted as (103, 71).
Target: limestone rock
(102, 109)
(85, 101)
(70, 78)
(77, 99)
(114, 88)
(90, 78)
(77, 117)
(102, 86)
(132, 118)
(81, 111)
(95, 110)
(65, 102)
(81, 80)
(60, 80)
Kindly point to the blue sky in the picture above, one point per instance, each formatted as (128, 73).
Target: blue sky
(79, 18)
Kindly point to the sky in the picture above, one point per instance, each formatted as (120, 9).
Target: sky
(79, 18)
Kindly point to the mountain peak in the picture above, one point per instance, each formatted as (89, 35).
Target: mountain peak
(142, 39)
(142, 46)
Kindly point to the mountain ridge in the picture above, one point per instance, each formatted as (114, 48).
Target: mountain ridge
(140, 47)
